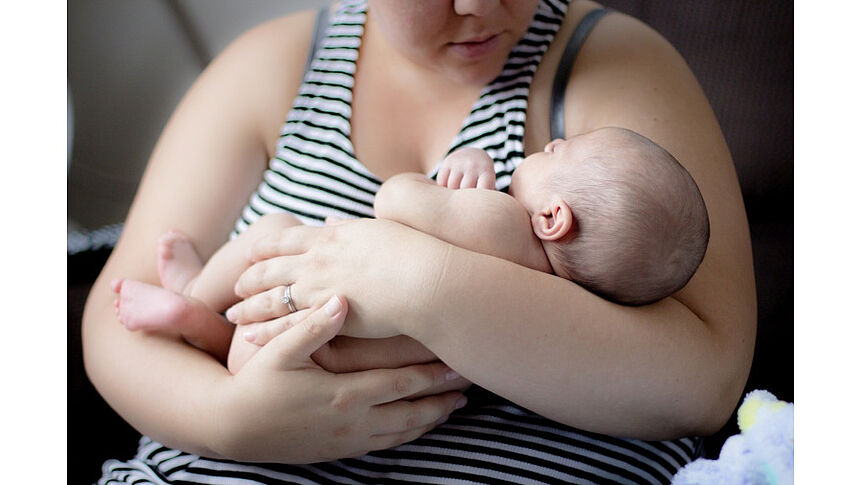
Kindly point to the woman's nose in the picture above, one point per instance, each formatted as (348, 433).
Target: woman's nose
(476, 8)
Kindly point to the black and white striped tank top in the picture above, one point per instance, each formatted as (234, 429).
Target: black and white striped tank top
(314, 174)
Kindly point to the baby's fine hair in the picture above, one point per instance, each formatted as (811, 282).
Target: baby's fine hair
(641, 226)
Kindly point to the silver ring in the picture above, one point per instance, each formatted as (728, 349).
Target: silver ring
(287, 300)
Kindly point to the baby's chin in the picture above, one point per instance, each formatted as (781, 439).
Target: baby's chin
(514, 185)
(515, 190)
(521, 176)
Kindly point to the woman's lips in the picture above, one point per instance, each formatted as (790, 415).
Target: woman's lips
(474, 49)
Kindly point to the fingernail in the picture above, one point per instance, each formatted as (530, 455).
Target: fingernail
(249, 335)
(332, 307)
(452, 375)
(230, 314)
(461, 402)
(441, 420)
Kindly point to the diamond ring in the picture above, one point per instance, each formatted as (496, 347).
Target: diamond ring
(287, 300)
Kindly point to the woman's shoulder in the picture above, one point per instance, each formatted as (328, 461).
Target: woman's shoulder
(614, 33)
(264, 66)
(615, 30)
(276, 47)
(289, 34)
(620, 40)
(622, 59)
(617, 48)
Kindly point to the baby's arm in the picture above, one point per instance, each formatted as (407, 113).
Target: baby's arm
(485, 221)
(214, 286)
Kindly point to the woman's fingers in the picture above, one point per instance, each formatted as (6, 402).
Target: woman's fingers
(381, 386)
(401, 416)
(291, 240)
(348, 354)
(460, 384)
(261, 307)
(297, 343)
(261, 333)
(404, 421)
(386, 441)
(266, 275)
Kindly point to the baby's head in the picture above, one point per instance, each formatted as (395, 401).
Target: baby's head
(616, 214)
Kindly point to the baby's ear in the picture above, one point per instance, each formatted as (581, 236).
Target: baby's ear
(554, 222)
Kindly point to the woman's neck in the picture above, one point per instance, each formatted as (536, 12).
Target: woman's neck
(404, 71)
(405, 115)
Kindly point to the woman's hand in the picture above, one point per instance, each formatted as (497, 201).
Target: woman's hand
(348, 354)
(283, 407)
(386, 271)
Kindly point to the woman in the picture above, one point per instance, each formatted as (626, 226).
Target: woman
(397, 85)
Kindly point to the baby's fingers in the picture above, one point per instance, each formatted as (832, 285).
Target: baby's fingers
(487, 181)
(454, 180)
(469, 180)
(443, 176)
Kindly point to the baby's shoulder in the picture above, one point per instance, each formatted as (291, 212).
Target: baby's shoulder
(502, 216)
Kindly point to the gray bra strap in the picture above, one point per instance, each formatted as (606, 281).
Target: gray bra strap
(564, 70)
(319, 32)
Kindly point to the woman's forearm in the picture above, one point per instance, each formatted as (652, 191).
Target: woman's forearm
(162, 386)
(671, 368)
(650, 372)
(281, 407)
(657, 371)
(568, 365)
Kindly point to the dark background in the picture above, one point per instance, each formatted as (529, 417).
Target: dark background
(742, 54)
(740, 51)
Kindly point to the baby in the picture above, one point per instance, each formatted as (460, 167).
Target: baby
(609, 209)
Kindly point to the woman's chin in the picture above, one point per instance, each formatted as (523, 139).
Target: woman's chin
(475, 75)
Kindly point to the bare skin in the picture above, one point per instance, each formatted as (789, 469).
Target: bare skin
(180, 411)
(673, 368)
(687, 357)
(193, 295)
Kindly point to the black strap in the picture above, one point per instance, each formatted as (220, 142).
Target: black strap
(564, 70)
(318, 34)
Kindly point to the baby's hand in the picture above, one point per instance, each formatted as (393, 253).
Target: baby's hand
(467, 168)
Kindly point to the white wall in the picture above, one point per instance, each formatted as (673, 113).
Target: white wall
(129, 64)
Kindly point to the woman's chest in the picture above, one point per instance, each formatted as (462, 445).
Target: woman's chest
(405, 130)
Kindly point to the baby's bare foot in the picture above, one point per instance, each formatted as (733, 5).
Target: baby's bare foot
(178, 262)
(141, 306)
